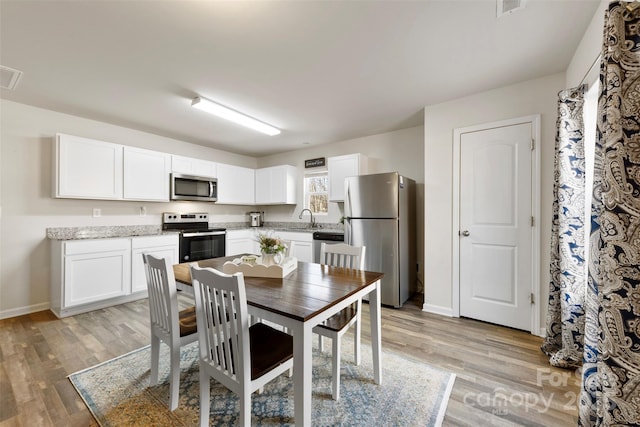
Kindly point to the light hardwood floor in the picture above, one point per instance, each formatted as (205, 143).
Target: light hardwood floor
(503, 378)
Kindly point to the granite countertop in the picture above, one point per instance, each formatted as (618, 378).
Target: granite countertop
(301, 227)
(79, 233)
(103, 232)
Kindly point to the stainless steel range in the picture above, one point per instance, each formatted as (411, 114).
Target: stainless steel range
(197, 240)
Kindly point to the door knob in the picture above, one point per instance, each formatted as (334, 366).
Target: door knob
(464, 233)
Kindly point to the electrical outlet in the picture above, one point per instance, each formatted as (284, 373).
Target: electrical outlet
(97, 212)
(143, 211)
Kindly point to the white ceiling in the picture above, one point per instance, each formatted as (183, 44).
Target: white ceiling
(322, 71)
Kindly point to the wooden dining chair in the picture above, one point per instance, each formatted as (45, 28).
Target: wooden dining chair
(174, 328)
(341, 255)
(243, 358)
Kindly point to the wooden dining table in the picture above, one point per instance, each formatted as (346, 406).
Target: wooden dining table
(301, 300)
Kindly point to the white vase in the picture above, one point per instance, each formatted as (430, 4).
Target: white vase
(270, 259)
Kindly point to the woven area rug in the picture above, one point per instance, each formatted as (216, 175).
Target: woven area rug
(117, 393)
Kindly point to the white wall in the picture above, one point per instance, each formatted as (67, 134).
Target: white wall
(585, 59)
(527, 98)
(26, 138)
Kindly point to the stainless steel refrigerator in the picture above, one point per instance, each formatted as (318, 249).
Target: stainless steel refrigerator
(380, 213)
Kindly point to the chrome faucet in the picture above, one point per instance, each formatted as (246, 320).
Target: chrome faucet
(312, 223)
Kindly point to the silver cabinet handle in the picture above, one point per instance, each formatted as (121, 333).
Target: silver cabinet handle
(465, 233)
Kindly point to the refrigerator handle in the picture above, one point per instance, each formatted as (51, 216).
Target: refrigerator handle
(347, 231)
(347, 200)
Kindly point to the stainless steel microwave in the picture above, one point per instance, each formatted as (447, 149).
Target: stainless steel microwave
(190, 187)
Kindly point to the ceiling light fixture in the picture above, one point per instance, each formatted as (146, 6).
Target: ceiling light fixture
(234, 116)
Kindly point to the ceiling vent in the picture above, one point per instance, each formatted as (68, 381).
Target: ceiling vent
(9, 77)
(506, 7)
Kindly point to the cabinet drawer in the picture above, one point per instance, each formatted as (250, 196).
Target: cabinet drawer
(97, 245)
(152, 241)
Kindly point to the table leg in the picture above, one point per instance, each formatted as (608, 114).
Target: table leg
(376, 333)
(302, 373)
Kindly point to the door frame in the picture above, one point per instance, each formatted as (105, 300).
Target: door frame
(534, 120)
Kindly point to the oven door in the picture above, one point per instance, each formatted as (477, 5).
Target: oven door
(202, 245)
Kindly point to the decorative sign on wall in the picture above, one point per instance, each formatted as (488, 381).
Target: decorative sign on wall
(314, 163)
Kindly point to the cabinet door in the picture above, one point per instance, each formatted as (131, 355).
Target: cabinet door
(240, 242)
(146, 174)
(87, 169)
(95, 271)
(302, 244)
(276, 185)
(239, 246)
(235, 185)
(341, 167)
(303, 251)
(158, 246)
(263, 186)
(192, 166)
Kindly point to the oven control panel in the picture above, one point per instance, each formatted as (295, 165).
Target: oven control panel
(173, 217)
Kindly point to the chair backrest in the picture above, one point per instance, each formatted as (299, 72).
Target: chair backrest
(343, 255)
(288, 251)
(223, 325)
(163, 296)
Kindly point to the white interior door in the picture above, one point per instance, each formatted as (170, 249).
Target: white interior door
(495, 208)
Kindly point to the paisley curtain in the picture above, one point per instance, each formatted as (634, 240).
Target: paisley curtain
(565, 314)
(611, 369)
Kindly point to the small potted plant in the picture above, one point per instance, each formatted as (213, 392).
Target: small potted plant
(272, 248)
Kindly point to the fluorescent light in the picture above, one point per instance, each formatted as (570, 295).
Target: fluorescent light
(239, 118)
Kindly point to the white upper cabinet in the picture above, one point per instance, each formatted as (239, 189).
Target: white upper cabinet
(146, 174)
(192, 166)
(341, 167)
(235, 185)
(87, 169)
(276, 185)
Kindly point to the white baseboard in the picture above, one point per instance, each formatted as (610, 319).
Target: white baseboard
(542, 332)
(437, 309)
(5, 314)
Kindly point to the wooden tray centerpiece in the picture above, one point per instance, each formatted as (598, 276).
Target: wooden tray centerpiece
(251, 266)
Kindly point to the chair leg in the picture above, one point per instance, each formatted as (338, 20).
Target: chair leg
(204, 399)
(357, 332)
(335, 380)
(245, 409)
(155, 358)
(174, 379)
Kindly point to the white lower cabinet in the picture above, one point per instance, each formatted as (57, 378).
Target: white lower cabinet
(158, 246)
(91, 274)
(245, 241)
(302, 244)
(241, 242)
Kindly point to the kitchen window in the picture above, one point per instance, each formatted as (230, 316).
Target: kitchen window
(316, 193)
